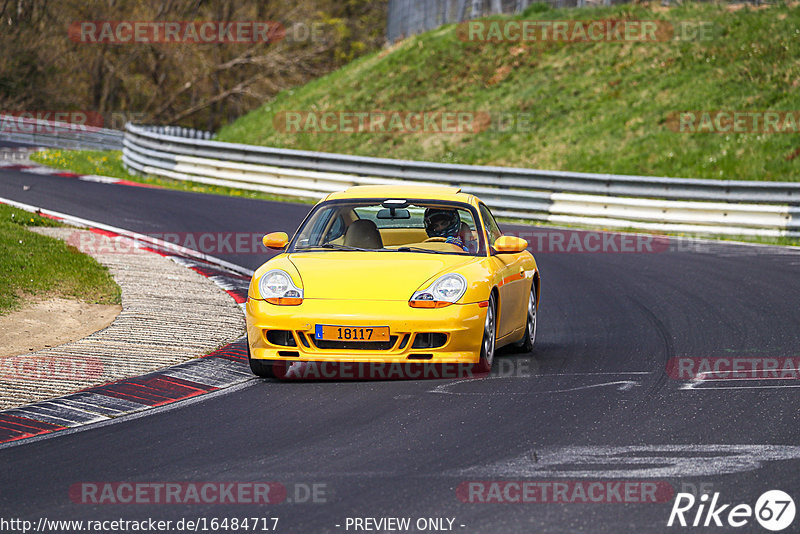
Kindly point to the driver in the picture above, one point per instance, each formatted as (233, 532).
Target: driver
(444, 222)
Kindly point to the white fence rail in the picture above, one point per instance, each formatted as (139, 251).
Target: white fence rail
(55, 134)
(721, 207)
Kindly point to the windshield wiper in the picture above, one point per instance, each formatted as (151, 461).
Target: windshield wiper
(419, 249)
(334, 246)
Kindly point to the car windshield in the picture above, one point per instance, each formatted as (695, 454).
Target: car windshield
(391, 225)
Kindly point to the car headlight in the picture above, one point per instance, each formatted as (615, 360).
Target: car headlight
(444, 291)
(276, 287)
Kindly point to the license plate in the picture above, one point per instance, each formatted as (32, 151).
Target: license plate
(351, 333)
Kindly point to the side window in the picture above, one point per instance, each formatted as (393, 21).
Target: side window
(336, 230)
(315, 230)
(491, 224)
(328, 225)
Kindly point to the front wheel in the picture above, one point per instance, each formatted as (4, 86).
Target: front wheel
(489, 336)
(260, 368)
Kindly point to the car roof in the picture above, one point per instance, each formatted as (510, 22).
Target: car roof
(433, 192)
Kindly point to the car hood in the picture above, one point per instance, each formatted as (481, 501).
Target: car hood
(370, 275)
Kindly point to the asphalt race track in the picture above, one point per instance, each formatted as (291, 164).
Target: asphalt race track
(593, 402)
(13, 144)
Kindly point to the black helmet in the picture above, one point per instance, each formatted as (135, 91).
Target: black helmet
(442, 222)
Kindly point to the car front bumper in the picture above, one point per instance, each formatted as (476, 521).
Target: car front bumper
(462, 324)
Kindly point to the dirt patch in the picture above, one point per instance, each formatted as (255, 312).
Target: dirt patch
(53, 322)
(499, 75)
(746, 5)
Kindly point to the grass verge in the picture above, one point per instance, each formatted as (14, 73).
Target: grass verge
(44, 267)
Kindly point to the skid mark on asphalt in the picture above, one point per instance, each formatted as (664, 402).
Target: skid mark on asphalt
(451, 388)
(636, 461)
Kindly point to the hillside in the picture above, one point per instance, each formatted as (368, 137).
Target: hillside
(580, 106)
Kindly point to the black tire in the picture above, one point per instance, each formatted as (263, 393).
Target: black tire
(528, 339)
(489, 341)
(260, 368)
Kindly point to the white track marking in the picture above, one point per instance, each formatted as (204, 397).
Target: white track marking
(598, 373)
(693, 387)
(697, 383)
(636, 461)
(43, 170)
(100, 179)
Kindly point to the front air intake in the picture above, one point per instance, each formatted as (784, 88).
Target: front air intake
(282, 338)
(429, 340)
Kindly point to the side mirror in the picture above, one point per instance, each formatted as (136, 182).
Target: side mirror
(510, 244)
(275, 240)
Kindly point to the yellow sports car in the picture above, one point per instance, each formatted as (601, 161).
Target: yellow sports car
(388, 274)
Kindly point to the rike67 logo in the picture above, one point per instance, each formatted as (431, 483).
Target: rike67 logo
(774, 510)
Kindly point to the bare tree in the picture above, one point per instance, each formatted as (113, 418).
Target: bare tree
(199, 85)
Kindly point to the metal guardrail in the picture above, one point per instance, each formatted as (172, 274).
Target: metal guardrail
(722, 207)
(55, 134)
